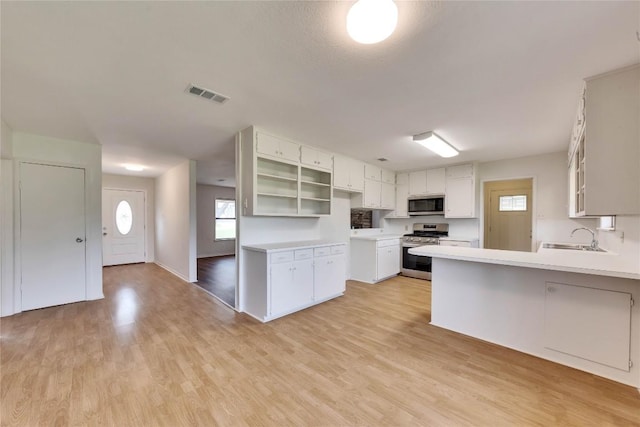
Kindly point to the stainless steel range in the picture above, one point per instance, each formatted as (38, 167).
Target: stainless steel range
(423, 234)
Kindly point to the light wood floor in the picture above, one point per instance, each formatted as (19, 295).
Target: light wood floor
(159, 351)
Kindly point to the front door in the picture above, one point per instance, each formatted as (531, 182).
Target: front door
(508, 220)
(52, 235)
(123, 227)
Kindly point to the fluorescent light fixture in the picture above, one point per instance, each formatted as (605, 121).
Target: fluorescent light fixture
(134, 168)
(371, 21)
(433, 142)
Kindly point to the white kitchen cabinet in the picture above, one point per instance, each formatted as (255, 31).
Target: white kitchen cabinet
(291, 286)
(275, 184)
(388, 259)
(329, 276)
(460, 192)
(388, 196)
(316, 158)
(282, 279)
(348, 174)
(417, 183)
(372, 193)
(402, 195)
(388, 177)
(436, 179)
(273, 146)
(372, 172)
(605, 148)
(374, 259)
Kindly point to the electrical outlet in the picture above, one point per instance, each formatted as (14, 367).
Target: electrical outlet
(406, 228)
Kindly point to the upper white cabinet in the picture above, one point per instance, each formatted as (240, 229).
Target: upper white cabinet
(402, 195)
(605, 149)
(460, 192)
(316, 158)
(387, 196)
(372, 194)
(436, 181)
(372, 172)
(348, 174)
(417, 183)
(274, 183)
(388, 177)
(273, 146)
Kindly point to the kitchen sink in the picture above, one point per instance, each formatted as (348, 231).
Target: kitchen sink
(572, 247)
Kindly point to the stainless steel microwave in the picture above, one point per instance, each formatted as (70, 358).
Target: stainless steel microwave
(426, 205)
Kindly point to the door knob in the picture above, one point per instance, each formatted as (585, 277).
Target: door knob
(104, 234)
(79, 240)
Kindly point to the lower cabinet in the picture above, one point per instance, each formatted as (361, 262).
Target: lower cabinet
(282, 281)
(374, 260)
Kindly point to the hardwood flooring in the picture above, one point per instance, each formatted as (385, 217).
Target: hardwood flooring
(156, 352)
(217, 275)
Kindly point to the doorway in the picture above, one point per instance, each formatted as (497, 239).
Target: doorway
(123, 227)
(508, 219)
(52, 234)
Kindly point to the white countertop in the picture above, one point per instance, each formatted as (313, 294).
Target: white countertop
(377, 237)
(598, 263)
(286, 246)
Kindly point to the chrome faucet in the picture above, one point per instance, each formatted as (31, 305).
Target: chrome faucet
(594, 242)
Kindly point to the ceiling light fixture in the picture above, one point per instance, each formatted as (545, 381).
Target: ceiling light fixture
(435, 143)
(371, 21)
(134, 168)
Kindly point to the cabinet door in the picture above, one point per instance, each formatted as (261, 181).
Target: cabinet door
(356, 176)
(267, 144)
(402, 195)
(372, 172)
(388, 261)
(403, 179)
(388, 176)
(329, 276)
(325, 160)
(290, 150)
(388, 196)
(308, 156)
(291, 285)
(417, 183)
(341, 172)
(436, 181)
(461, 171)
(459, 199)
(372, 195)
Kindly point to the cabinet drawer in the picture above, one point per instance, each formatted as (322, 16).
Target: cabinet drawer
(388, 242)
(461, 243)
(323, 251)
(338, 250)
(303, 254)
(279, 257)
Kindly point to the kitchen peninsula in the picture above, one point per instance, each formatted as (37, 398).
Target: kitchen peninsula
(571, 307)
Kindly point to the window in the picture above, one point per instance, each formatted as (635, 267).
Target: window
(124, 217)
(225, 228)
(513, 203)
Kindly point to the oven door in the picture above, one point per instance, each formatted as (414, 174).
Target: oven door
(414, 265)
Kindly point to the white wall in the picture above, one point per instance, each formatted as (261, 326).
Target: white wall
(62, 152)
(127, 182)
(175, 212)
(551, 200)
(625, 240)
(206, 212)
(6, 222)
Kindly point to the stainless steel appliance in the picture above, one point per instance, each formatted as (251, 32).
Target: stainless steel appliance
(423, 234)
(426, 205)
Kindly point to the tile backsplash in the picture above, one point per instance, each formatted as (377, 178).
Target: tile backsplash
(361, 218)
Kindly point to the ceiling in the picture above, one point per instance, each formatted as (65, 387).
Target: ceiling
(495, 79)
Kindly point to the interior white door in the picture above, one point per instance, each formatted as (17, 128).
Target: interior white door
(123, 227)
(52, 235)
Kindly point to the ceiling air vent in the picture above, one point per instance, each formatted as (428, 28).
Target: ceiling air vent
(206, 94)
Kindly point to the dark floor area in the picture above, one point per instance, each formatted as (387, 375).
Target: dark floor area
(217, 275)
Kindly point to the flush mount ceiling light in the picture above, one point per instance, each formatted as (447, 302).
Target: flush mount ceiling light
(371, 21)
(134, 168)
(436, 144)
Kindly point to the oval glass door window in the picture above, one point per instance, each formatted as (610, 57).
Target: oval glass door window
(124, 217)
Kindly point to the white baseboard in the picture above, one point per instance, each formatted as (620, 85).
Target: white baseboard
(172, 271)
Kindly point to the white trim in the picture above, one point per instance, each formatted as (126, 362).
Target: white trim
(172, 271)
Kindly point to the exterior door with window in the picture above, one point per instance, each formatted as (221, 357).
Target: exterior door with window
(508, 219)
(123, 227)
